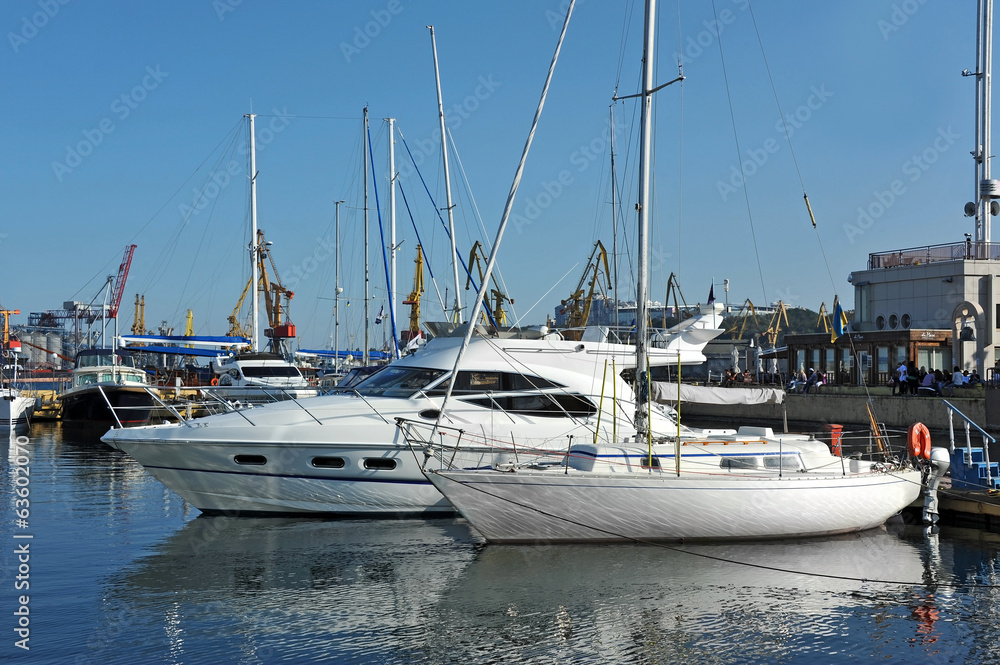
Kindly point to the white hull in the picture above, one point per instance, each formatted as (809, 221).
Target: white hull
(15, 410)
(548, 506)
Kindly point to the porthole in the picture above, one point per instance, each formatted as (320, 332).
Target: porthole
(328, 462)
(893, 321)
(880, 322)
(250, 460)
(429, 414)
(380, 464)
(905, 320)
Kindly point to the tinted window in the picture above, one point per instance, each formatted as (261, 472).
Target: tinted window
(398, 381)
(546, 405)
(471, 382)
(275, 370)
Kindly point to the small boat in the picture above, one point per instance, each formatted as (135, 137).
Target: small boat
(107, 389)
(15, 407)
(668, 483)
(257, 378)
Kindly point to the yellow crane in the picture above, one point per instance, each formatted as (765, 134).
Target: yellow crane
(139, 323)
(774, 327)
(275, 297)
(577, 306)
(495, 310)
(414, 300)
(746, 311)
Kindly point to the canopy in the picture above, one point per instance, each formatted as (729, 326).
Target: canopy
(666, 393)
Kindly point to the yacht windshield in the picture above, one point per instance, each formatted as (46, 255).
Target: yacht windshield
(398, 381)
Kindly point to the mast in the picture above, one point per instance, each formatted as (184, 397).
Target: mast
(614, 219)
(336, 290)
(392, 234)
(364, 162)
(986, 190)
(254, 247)
(641, 304)
(457, 315)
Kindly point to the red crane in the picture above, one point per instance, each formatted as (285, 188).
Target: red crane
(119, 287)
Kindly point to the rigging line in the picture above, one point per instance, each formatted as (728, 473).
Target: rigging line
(385, 259)
(736, 138)
(475, 209)
(468, 273)
(791, 149)
(406, 204)
(623, 44)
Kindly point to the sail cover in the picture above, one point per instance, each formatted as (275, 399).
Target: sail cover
(666, 393)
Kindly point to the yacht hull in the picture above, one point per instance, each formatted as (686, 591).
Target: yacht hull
(292, 478)
(15, 410)
(132, 405)
(543, 506)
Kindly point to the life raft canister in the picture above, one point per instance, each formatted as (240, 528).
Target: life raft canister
(918, 439)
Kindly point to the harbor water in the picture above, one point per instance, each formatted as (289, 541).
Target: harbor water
(102, 564)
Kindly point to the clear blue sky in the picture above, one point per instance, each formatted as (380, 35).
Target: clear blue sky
(118, 114)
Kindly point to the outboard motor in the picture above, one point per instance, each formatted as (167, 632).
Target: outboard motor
(933, 471)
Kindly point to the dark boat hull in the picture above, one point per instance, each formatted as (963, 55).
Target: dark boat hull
(131, 406)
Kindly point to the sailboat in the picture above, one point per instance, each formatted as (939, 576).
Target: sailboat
(669, 482)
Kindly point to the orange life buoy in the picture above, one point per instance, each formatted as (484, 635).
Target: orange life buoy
(215, 381)
(918, 439)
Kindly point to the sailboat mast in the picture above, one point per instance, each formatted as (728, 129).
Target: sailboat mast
(392, 234)
(364, 163)
(641, 298)
(457, 315)
(984, 191)
(336, 291)
(254, 247)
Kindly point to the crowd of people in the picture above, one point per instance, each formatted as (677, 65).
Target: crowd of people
(909, 380)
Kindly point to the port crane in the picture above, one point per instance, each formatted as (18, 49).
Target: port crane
(414, 300)
(276, 299)
(494, 311)
(774, 328)
(746, 312)
(577, 306)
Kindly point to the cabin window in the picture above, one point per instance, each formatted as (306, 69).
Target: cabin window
(380, 464)
(731, 463)
(266, 371)
(492, 382)
(782, 462)
(545, 405)
(398, 381)
(328, 462)
(430, 414)
(250, 460)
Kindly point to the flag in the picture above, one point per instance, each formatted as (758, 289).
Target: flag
(839, 320)
(711, 294)
(378, 319)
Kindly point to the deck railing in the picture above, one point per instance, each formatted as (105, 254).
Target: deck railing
(956, 251)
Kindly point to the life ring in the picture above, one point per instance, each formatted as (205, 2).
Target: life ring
(918, 440)
(215, 381)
